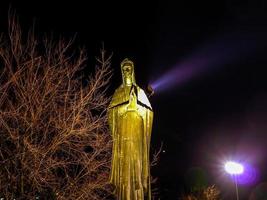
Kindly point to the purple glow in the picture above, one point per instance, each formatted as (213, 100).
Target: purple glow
(211, 56)
(248, 177)
(180, 74)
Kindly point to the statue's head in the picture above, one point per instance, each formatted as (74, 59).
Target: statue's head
(127, 70)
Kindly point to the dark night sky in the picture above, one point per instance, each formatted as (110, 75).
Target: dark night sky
(218, 114)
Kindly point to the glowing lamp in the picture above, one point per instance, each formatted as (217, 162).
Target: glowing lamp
(233, 168)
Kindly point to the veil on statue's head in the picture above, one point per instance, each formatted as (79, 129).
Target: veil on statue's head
(128, 62)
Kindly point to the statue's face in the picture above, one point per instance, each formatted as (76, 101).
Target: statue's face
(127, 71)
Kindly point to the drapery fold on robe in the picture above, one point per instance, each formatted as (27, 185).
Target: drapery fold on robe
(130, 118)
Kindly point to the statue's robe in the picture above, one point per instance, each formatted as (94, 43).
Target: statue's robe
(130, 119)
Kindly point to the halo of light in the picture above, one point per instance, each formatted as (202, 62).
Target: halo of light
(250, 176)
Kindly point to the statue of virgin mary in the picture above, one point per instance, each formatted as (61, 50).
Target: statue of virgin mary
(130, 118)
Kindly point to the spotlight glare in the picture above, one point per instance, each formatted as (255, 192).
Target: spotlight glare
(233, 168)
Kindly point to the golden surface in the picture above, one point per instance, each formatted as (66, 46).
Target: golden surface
(130, 118)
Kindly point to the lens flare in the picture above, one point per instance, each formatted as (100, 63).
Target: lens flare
(242, 173)
(250, 176)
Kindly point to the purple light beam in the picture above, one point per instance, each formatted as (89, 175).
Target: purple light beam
(218, 52)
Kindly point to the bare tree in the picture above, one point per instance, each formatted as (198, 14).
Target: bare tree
(54, 140)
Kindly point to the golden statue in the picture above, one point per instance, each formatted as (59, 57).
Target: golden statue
(130, 119)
